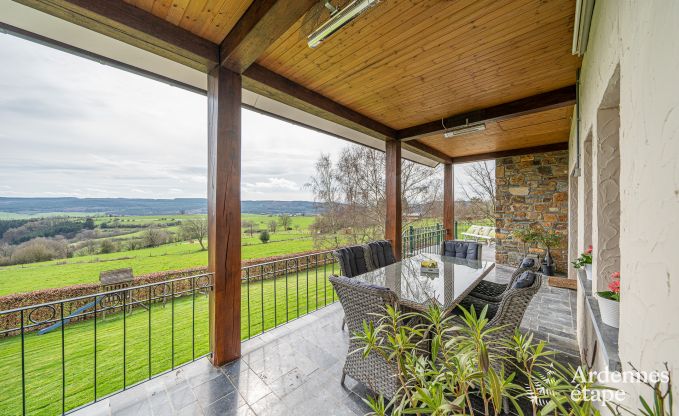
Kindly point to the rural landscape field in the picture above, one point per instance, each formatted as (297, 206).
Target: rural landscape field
(90, 358)
(83, 267)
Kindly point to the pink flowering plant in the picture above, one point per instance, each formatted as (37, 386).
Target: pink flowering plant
(585, 258)
(613, 292)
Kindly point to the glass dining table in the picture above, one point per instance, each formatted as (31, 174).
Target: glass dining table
(416, 289)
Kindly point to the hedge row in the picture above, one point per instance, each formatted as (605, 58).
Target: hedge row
(36, 318)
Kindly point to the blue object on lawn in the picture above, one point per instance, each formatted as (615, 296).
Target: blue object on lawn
(68, 318)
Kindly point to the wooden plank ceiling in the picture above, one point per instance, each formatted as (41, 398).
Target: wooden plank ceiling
(547, 127)
(209, 19)
(406, 63)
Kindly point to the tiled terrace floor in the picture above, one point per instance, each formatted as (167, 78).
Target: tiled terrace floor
(295, 369)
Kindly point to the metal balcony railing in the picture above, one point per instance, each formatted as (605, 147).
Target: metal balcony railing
(61, 355)
(279, 291)
(422, 240)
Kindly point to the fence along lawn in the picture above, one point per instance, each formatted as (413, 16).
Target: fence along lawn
(43, 364)
(85, 269)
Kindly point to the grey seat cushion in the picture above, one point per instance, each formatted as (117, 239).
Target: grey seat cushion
(527, 263)
(352, 260)
(382, 253)
(526, 279)
(461, 249)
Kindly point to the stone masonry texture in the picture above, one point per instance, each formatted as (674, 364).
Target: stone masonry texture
(531, 190)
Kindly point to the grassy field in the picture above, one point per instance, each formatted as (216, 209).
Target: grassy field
(130, 333)
(86, 269)
(174, 256)
(264, 304)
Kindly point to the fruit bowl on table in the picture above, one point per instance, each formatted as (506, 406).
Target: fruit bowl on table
(429, 267)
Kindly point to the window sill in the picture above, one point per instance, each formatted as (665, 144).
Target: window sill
(607, 336)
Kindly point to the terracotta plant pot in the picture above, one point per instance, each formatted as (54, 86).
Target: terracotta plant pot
(610, 311)
(588, 271)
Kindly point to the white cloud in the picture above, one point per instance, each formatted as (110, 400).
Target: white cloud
(73, 127)
(272, 185)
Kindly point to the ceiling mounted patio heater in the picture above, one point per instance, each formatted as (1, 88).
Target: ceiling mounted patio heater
(339, 17)
(464, 129)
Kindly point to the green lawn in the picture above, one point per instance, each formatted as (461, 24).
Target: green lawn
(85, 269)
(305, 292)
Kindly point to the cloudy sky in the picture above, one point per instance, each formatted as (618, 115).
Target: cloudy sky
(73, 127)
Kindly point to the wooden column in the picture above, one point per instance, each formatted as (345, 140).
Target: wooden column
(449, 201)
(392, 229)
(224, 166)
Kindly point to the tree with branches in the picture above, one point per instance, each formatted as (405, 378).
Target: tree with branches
(480, 189)
(352, 193)
(194, 229)
(285, 221)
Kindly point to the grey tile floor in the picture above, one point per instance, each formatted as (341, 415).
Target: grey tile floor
(295, 369)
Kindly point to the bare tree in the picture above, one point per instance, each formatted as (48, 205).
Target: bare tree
(480, 190)
(285, 221)
(249, 225)
(273, 224)
(352, 192)
(154, 237)
(194, 229)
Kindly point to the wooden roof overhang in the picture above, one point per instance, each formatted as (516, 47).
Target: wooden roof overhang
(403, 71)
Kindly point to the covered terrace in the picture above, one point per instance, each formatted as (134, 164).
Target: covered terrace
(405, 77)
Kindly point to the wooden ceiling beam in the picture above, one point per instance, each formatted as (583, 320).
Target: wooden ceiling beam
(513, 152)
(529, 105)
(262, 24)
(129, 24)
(422, 149)
(269, 84)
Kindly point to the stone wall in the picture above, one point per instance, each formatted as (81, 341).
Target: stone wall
(531, 190)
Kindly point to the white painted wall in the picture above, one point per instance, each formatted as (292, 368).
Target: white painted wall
(642, 37)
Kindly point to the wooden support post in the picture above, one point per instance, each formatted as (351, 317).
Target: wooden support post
(224, 166)
(449, 200)
(392, 229)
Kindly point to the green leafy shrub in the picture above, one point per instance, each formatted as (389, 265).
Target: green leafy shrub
(264, 236)
(473, 372)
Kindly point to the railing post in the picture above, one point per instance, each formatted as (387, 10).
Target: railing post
(455, 232)
(411, 232)
(438, 234)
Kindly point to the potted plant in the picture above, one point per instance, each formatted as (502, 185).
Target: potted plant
(609, 302)
(548, 238)
(525, 235)
(585, 262)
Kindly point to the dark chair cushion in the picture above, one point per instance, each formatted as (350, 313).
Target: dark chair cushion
(382, 253)
(359, 259)
(388, 252)
(527, 263)
(352, 260)
(461, 249)
(472, 251)
(526, 279)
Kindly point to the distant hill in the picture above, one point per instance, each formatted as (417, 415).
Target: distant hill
(128, 206)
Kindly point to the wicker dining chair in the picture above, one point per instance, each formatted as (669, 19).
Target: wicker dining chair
(509, 311)
(353, 261)
(513, 306)
(360, 302)
(492, 292)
